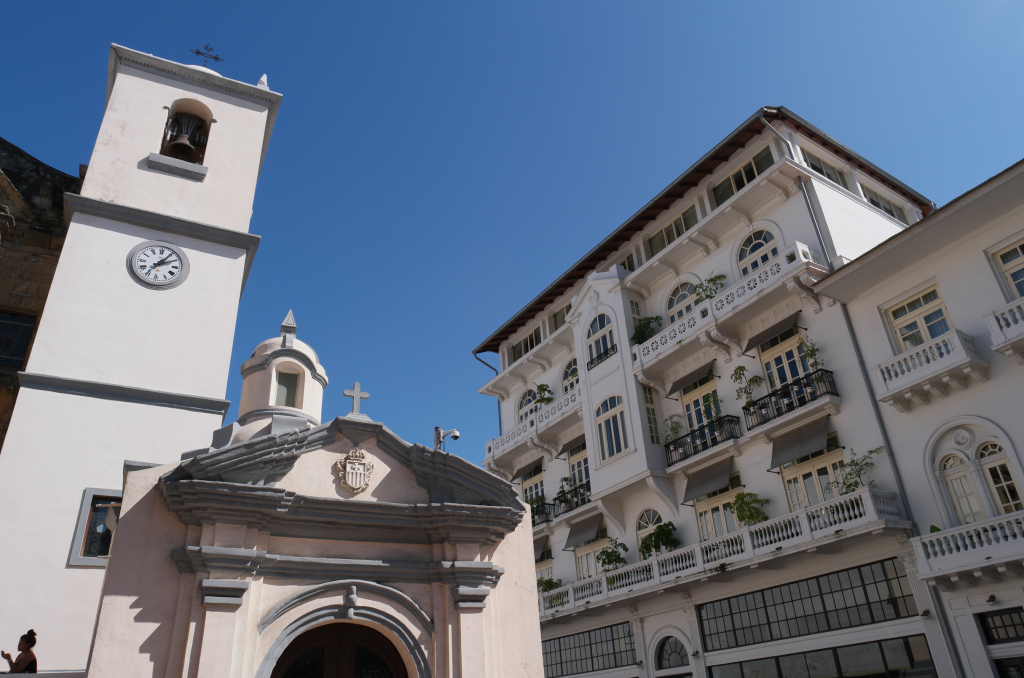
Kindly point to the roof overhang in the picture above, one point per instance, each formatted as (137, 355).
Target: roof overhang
(196, 76)
(689, 179)
(987, 201)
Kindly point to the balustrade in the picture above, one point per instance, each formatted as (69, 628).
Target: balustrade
(981, 543)
(933, 358)
(572, 499)
(702, 438)
(783, 400)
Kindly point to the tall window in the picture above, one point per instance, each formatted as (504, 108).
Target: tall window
(681, 301)
(1011, 262)
(586, 555)
(104, 513)
(652, 415)
(628, 263)
(1000, 479)
(15, 336)
(570, 376)
(671, 654)
(752, 169)
(634, 310)
(961, 489)
(524, 346)
(890, 208)
(757, 249)
(533, 485)
(527, 404)
(825, 169)
(559, 316)
(700, 402)
(287, 384)
(714, 511)
(920, 319)
(783, 358)
(809, 479)
(645, 524)
(545, 565)
(675, 229)
(600, 337)
(611, 427)
(579, 470)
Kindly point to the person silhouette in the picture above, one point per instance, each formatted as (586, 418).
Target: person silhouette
(26, 661)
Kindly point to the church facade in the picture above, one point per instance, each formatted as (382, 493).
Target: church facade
(160, 541)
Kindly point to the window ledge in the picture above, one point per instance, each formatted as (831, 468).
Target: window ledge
(189, 170)
(765, 433)
(1006, 327)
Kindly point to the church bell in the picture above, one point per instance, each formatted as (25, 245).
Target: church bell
(184, 128)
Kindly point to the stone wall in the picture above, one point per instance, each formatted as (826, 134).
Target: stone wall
(32, 231)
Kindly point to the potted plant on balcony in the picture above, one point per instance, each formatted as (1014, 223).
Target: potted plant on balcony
(546, 585)
(610, 557)
(544, 394)
(747, 507)
(812, 354)
(747, 384)
(673, 427)
(855, 470)
(661, 540)
(644, 329)
(711, 286)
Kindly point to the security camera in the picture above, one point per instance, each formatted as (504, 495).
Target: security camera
(455, 435)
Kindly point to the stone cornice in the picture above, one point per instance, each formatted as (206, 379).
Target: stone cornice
(79, 204)
(287, 514)
(262, 362)
(254, 563)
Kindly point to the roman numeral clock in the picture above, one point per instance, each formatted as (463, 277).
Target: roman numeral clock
(158, 265)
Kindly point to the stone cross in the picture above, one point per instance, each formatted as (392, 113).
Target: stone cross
(356, 395)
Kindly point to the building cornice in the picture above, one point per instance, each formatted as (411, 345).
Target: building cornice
(78, 204)
(195, 75)
(132, 394)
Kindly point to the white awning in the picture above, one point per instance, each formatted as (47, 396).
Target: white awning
(691, 377)
(772, 331)
(708, 479)
(539, 545)
(585, 530)
(799, 443)
(535, 464)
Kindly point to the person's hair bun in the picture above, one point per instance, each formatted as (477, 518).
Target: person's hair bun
(31, 633)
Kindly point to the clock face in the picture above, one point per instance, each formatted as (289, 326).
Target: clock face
(158, 265)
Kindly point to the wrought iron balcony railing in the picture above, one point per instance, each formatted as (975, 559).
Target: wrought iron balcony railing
(542, 513)
(572, 499)
(716, 431)
(601, 357)
(789, 397)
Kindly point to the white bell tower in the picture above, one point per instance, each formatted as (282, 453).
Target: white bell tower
(132, 353)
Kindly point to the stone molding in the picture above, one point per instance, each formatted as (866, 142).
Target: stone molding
(287, 514)
(354, 586)
(131, 394)
(194, 76)
(181, 168)
(269, 412)
(78, 204)
(470, 598)
(292, 353)
(255, 563)
(223, 591)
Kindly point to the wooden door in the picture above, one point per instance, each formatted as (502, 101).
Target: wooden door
(340, 651)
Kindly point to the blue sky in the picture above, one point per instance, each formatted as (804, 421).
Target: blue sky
(435, 165)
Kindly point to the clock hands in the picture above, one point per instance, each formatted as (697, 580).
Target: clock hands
(161, 262)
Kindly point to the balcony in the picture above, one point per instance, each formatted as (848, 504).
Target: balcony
(986, 550)
(552, 420)
(816, 386)
(702, 439)
(816, 527)
(930, 370)
(1007, 329)
(573, 499)
(679, 340)
(601, 357)
(542, 514)
(556, 347)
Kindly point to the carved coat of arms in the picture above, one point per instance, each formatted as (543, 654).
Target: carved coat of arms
(354, 470)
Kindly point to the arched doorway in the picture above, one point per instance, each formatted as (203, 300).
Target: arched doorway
(340, 651)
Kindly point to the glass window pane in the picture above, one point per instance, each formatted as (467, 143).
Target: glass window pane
(763, 160)
(723, 191)
(103, 516)
(896, 657)
(794, 666)
(727, 671)
(286, 385)
(861, 660)
(821, 664)
(760, 668)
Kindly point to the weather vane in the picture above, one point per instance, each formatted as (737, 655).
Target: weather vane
(207, 54)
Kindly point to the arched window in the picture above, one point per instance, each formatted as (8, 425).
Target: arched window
(957, 475)
(186, 131)
(527, 404)
(681, 301)
(600, 339)
(645, 524)
(757, 249)
(671, 654)
(570, 376)
(611, 427)
(997, 473)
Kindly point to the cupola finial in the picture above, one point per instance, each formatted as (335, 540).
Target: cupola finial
(288, 329)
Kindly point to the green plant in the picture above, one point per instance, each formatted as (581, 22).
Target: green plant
(544, 394)
(745, 391)
(547, 584)
(610, 557)
(746, 506)
(812, 353)
(711, 286)
(644, 329)
(790, 257)
(535, 501)
(661, 540)
(934, 528)
(673, 426)
(854, 471)
(711, 405)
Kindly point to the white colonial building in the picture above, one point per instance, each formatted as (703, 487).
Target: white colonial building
(748, 386)
(939, 315)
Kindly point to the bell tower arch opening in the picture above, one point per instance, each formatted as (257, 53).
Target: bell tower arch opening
(342, 650)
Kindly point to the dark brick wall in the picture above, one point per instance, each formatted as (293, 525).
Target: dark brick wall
(32, 234)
